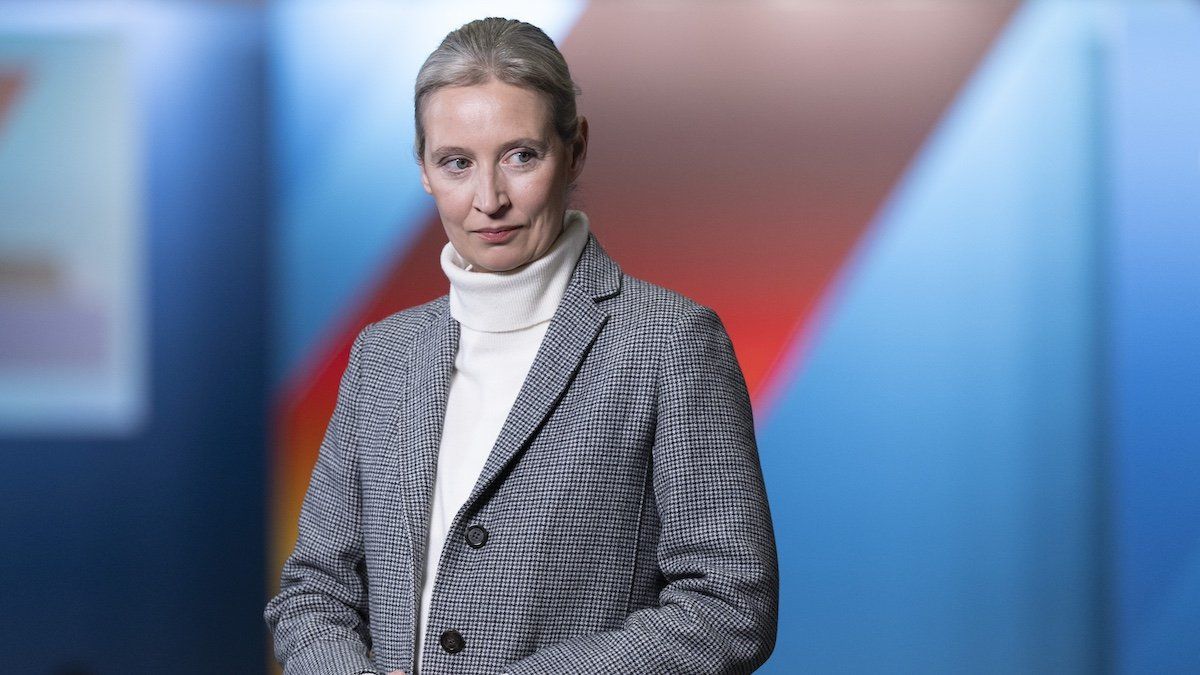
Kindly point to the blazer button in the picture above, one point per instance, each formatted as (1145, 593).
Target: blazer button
(452, 641)
(477, 536)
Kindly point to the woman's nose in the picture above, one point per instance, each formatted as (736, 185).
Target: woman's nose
(490, 194)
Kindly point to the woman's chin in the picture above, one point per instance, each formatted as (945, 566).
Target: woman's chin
(500, 261)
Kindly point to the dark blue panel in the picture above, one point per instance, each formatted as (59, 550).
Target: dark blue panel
(146, 553)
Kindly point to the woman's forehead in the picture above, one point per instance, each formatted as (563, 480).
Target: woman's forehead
(492, 112)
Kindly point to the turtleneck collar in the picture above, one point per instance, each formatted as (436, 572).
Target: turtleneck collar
(497, 302)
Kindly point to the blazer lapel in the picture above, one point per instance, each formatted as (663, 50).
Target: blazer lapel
(569, 337)
(419, 422)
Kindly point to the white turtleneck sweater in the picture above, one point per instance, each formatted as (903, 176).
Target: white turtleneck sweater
(502, 317)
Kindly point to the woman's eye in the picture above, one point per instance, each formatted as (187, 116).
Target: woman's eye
(457, 164)
(523, 157)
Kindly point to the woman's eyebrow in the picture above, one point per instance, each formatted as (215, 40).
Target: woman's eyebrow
(540, 146)
(449, 150)
(534, 143)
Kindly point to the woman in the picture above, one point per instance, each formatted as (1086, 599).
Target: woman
(553, 468)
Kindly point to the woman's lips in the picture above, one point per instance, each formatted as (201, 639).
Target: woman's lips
(497, 235)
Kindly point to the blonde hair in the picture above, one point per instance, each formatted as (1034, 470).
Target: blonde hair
(511, 51)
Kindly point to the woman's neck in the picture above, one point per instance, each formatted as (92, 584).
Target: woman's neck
(517, 299)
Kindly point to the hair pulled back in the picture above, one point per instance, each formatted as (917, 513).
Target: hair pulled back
(511, 51)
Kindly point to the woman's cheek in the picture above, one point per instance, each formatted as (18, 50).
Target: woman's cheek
(460, 195)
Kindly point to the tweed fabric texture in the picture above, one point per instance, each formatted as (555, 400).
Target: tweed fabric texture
(628, 526)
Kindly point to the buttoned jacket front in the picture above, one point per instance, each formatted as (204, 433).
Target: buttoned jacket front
(627, 527)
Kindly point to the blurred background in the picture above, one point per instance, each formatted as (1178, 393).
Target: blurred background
(956, 244)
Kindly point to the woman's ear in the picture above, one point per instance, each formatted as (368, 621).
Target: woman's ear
(424, 177)
(579, 149)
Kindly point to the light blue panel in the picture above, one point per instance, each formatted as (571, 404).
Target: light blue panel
(1155, 292)
(80, 357)
(349, 197)
(933, 466)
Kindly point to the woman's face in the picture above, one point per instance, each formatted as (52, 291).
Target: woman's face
(498, 171)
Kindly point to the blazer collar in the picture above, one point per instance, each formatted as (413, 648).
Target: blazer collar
(596, 275)
(417, 429)
(570, 335)
(572, 331)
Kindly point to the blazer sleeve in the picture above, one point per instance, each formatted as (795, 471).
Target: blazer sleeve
(320, 618)
(717, 612)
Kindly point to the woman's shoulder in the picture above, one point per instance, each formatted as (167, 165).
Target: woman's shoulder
(397, 330)
(624, 296)
(652, 304)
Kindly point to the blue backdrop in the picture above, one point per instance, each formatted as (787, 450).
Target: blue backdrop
(984, 461)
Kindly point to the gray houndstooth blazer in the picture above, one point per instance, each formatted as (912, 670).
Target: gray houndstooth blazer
(620, 524)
